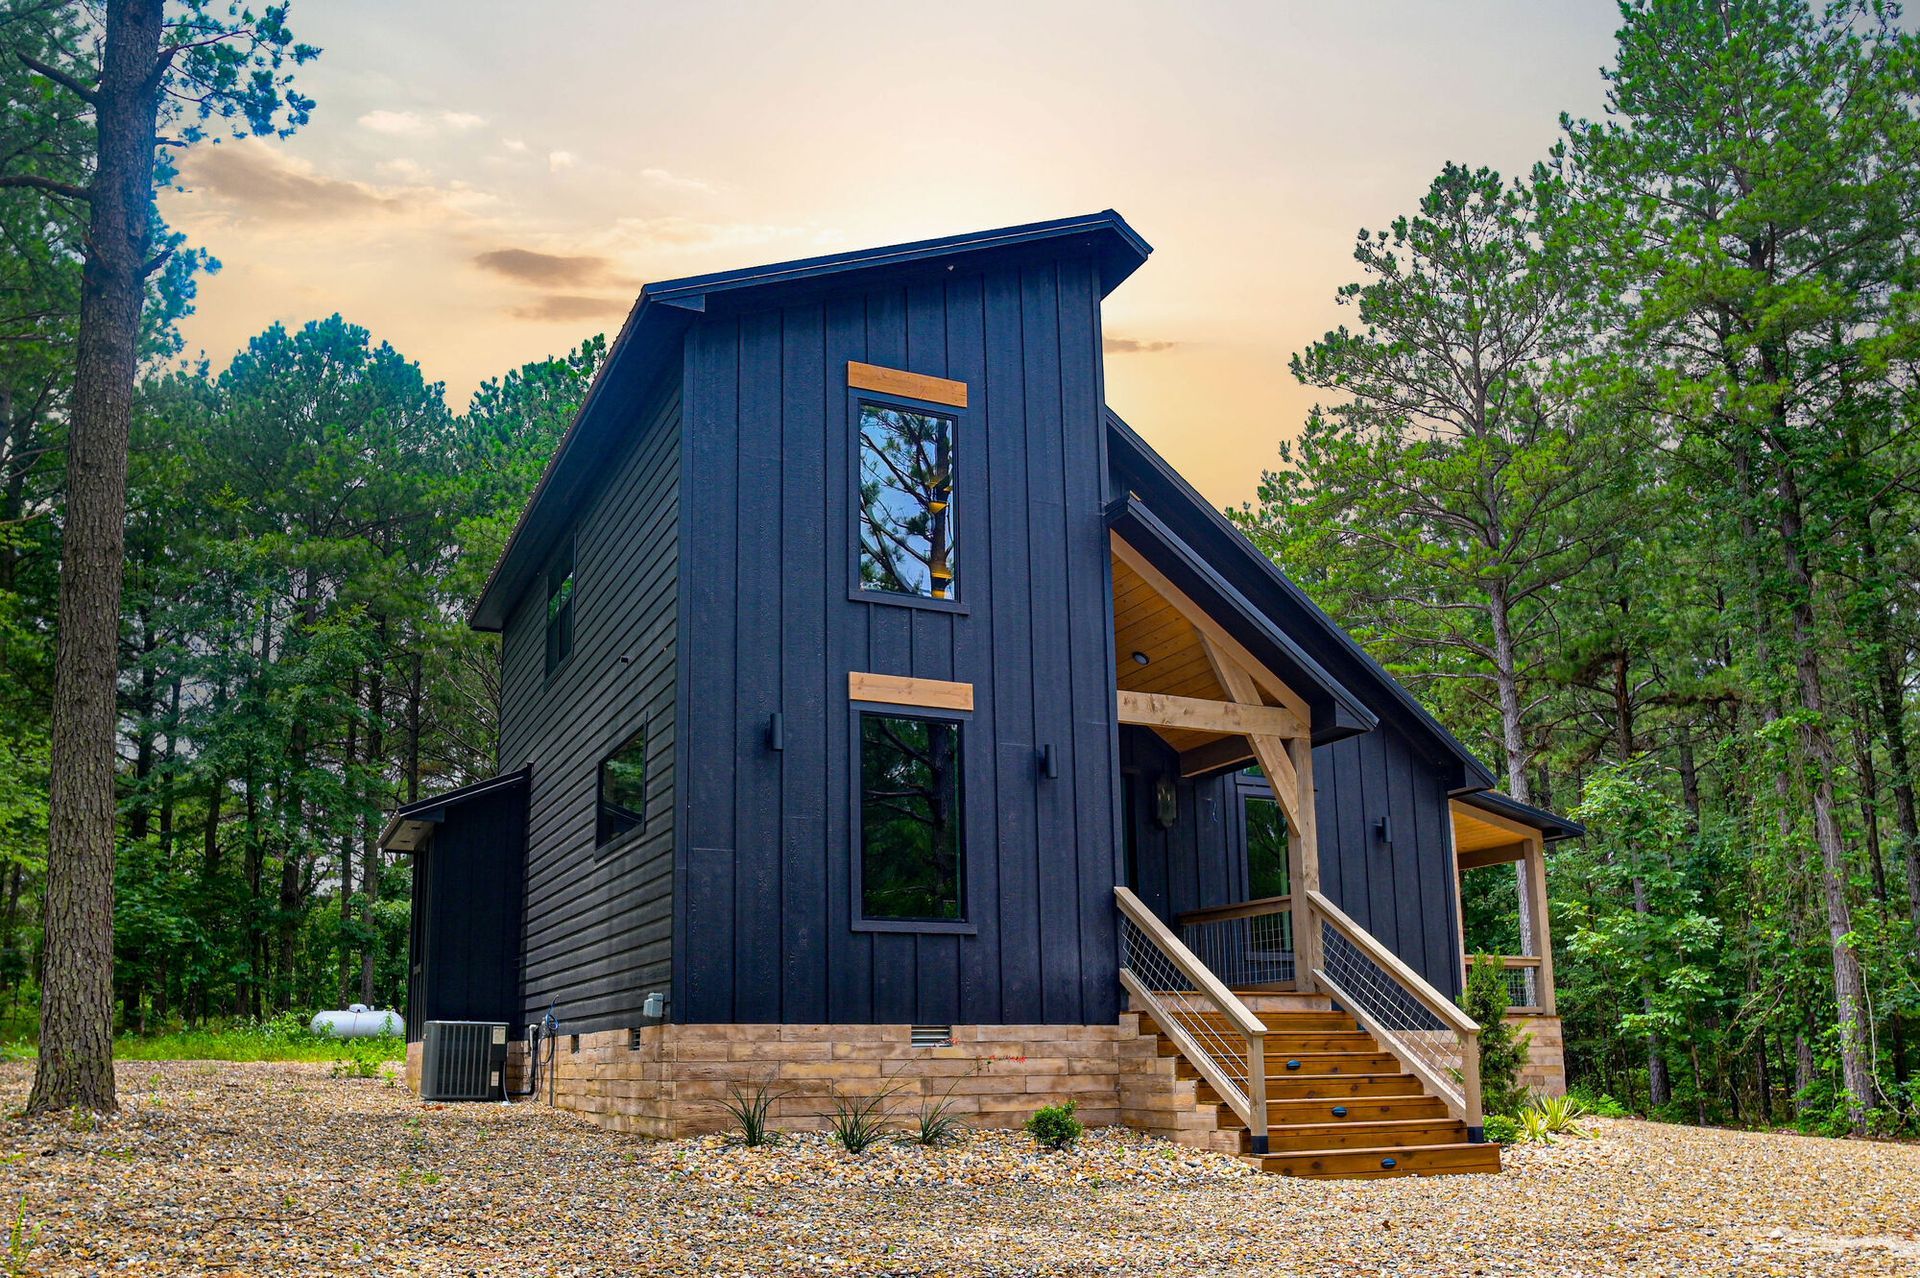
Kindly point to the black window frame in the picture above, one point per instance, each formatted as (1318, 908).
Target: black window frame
(604, 842)
(860, 922)
(569, 584)
(965, 550)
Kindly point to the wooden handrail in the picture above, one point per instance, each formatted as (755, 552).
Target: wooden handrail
(1243, 1020)
(1433, 1000)
(1238, 910)
(1510, 960)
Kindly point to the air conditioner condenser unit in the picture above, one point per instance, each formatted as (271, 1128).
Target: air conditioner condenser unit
(463, 1061)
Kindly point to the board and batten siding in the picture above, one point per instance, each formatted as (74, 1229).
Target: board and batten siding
(598, 930)
(764, 928)
(1404, 894)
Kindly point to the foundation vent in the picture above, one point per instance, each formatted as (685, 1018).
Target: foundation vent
(633, 1039)
(931, 1035)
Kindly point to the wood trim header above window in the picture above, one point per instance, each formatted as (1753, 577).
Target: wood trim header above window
(894, 381)
(898, 690)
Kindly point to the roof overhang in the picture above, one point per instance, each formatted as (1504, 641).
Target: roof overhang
(1510, 811)
(412, 825)
(649, 345)
(1167, 494)
(1334, 712)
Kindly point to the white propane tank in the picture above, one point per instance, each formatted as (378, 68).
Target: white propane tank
(359, 1021)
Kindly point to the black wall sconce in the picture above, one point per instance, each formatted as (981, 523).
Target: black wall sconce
(777, 732)
(1385, 826)
(1049, 763)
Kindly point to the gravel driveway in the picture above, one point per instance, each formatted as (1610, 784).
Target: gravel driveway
(279, 1169)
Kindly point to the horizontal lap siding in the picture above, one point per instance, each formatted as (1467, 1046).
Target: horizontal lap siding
(766, 905)
(598, 930)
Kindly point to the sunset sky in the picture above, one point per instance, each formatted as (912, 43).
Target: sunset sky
(486, 183)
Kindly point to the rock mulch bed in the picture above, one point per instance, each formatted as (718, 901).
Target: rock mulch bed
(280, 1169)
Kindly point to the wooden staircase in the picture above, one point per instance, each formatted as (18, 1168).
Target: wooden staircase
(1339, 1105)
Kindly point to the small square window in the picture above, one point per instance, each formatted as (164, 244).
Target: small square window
(910, 819)
(623, 790)
(560, 608)
(906, 502)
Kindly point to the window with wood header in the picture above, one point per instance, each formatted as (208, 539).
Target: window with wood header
(623, 790)
(911, 836)
(906, 501)
(560, 607)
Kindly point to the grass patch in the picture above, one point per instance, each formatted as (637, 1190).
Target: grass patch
(286, 1037)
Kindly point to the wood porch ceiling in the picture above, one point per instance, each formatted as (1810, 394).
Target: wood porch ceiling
(1177, 662)
(1471, 833)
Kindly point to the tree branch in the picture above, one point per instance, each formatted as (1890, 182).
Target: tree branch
(39, 183)
(85, 92)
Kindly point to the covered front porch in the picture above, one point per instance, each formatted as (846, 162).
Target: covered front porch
(1224, 720)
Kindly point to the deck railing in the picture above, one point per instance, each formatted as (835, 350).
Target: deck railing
(1523, 980)
(1223, 1041)
(1246, 945)
(1423, 1028)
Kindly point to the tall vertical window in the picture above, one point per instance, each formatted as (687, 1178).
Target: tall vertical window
(560, 607)
(623, 790)
(906, 502)
(910, 818)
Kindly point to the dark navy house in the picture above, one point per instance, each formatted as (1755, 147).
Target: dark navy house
(879, 711)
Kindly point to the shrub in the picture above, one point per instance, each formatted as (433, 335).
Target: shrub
(938, 1125)
(1547, 1119)
(1055, 1127)
(1503, 1050)
(1501, 1129)
(1599, 1104)
(749, 1108)
(860, 1122)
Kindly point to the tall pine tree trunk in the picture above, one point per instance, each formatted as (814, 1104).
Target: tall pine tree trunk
(1816, 746)
(1513, 732)
(76, 1021)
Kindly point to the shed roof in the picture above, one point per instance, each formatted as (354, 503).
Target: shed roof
(411, 826)
(1552, 827)
(648, 344)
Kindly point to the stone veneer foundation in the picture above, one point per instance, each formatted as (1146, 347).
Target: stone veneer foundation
(1546, 1067)
(672, 1080)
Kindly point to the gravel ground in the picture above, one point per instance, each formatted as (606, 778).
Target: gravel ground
(280, 1169)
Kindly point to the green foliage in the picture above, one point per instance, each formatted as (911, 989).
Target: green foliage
(1502, 1129)
(860, 1122)
(1599, 1104)
(1503, 1049)
(938, 1125)
(286, 1037)
(21, 1233)
(1055, 1127)
(749, 1108)
(1548, 1120)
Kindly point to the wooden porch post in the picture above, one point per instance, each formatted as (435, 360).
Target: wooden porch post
(1303, 864)
(1533, 880)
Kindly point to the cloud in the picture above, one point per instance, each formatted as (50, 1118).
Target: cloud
(270, 185)
(414, 124)
(557, 160)
(404, 169)
(515, 145)
(546, 270)
(570, 306)
(1137, 346)
(674, 181)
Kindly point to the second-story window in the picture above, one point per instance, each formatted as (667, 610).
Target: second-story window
(560, 607)
(906, 502)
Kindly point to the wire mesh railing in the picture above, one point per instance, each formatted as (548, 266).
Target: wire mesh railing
(1419, 1025)
(1523, 980)
(1224, 1042)
(1247, 946)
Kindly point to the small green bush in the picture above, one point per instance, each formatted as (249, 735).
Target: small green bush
(1055, 1127)
(1547, 1119)
(1599, 1104)
(1501, 1129)
(1503, 1050)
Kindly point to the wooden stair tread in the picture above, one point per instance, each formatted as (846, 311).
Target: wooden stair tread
(1365, 1163)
